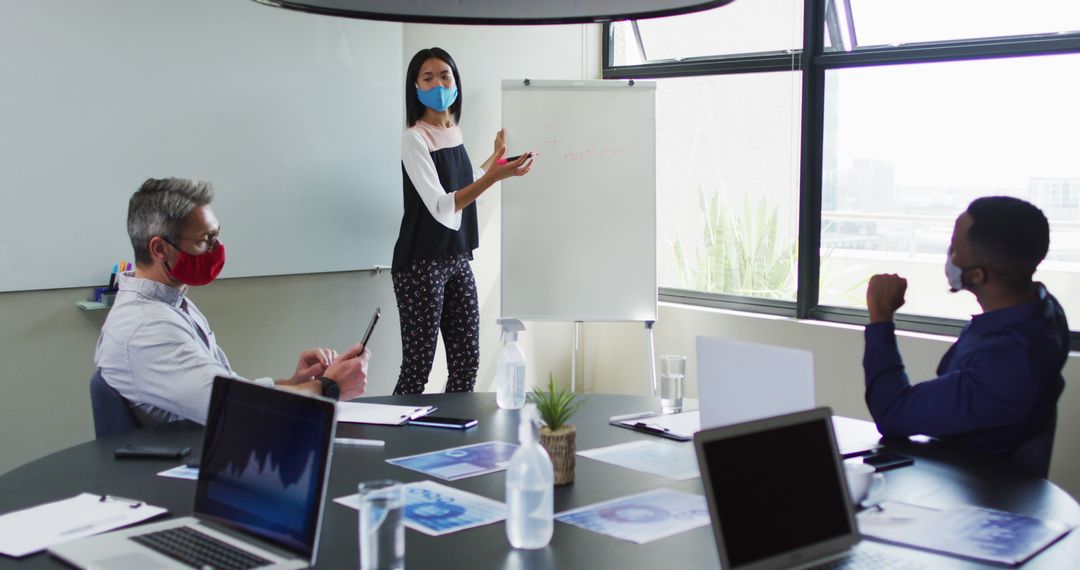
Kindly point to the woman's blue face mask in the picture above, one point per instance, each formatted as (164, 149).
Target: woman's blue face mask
(438, 98)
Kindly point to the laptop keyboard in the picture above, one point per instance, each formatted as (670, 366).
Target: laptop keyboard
(869, 560)
(198, 550)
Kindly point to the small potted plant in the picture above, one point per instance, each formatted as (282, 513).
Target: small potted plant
(558, 437)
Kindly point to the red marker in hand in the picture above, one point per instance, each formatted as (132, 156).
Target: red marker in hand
(513, 158)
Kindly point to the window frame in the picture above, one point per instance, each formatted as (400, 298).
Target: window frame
(813, 69)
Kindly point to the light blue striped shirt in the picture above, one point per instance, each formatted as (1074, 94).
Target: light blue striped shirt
(157, 349)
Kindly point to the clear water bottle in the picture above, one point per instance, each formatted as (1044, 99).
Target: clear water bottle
(530, 488)
(510, 367)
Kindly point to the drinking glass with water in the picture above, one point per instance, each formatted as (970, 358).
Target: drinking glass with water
(382, 525)
(672, 381)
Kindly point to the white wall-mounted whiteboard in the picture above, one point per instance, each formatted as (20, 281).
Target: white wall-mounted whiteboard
(295, 118)
(579, 231)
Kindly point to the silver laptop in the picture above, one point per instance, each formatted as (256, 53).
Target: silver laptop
(742, 381)
(260, 494)
(778, 498)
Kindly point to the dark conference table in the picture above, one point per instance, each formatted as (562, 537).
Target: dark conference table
(941, 476)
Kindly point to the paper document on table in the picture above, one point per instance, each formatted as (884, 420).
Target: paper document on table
(381, 414)
(971, 532)
(855, 437)
(643, 517)
(671, 460)
(460, 462)
(181, 472)
(34, 529)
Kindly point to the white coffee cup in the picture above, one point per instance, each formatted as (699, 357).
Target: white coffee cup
(863, 482)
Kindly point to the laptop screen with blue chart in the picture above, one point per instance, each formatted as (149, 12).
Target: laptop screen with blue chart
(264, 464)
(260, 494)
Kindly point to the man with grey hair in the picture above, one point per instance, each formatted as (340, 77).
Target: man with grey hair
(156, 348)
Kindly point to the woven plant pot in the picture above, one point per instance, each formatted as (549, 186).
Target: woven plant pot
(560, 445)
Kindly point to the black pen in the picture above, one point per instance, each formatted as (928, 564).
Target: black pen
(646, 427)
(660, 431)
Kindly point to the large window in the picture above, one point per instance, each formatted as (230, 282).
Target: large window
(908, 147)
(728, 183)
(793, 165)
(740, 27)
(857, 24)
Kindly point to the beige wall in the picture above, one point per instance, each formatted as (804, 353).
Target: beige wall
(616, 356)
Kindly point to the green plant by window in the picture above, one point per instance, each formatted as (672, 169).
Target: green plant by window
(741, 253)
(555, 406)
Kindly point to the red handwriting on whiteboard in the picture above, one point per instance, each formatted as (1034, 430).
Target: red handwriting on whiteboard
(598, 151)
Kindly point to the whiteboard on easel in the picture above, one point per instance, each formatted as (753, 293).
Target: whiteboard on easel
(579, 231)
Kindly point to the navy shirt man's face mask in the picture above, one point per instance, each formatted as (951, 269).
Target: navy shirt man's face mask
(953, 273)
(959, 256)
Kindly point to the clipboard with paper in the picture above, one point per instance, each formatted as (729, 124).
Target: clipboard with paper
(679, 427)
(379, 414)
(31, 530)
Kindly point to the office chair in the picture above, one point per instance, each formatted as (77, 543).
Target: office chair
(1033, 456)
(112, 415)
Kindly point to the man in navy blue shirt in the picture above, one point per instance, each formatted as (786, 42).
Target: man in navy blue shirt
(998, 385)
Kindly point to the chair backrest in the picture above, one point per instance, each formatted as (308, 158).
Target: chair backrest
(1033, 456)
(112, 415)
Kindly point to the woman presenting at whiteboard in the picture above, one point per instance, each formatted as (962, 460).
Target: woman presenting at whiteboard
(433, 282)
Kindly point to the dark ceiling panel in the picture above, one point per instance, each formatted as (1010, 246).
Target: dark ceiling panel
(501, 12)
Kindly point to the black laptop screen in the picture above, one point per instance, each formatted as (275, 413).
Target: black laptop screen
(776, 491)
(263, 463)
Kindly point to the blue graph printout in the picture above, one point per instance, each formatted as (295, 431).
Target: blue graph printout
(181, 472)
(971, 532)
(435, 509)
(642, 518)
(460, 462)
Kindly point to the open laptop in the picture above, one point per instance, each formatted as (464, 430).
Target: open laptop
(260, 494)
(778, 497)
(742, 381)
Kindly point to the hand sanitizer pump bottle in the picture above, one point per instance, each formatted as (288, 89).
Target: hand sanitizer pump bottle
(510, 367)
(530, 489)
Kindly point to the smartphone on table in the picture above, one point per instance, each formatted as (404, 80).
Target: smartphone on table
(886, 461)
(150, 451)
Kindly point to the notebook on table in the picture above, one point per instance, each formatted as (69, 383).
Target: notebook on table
(778, 497)
(259, 497)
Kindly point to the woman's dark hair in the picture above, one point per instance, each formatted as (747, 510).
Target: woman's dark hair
(1010, 235)
(414, 109)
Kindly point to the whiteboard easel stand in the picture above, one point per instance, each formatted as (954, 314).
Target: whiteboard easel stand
(573, 356)
(649, 339)
(652, 355)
